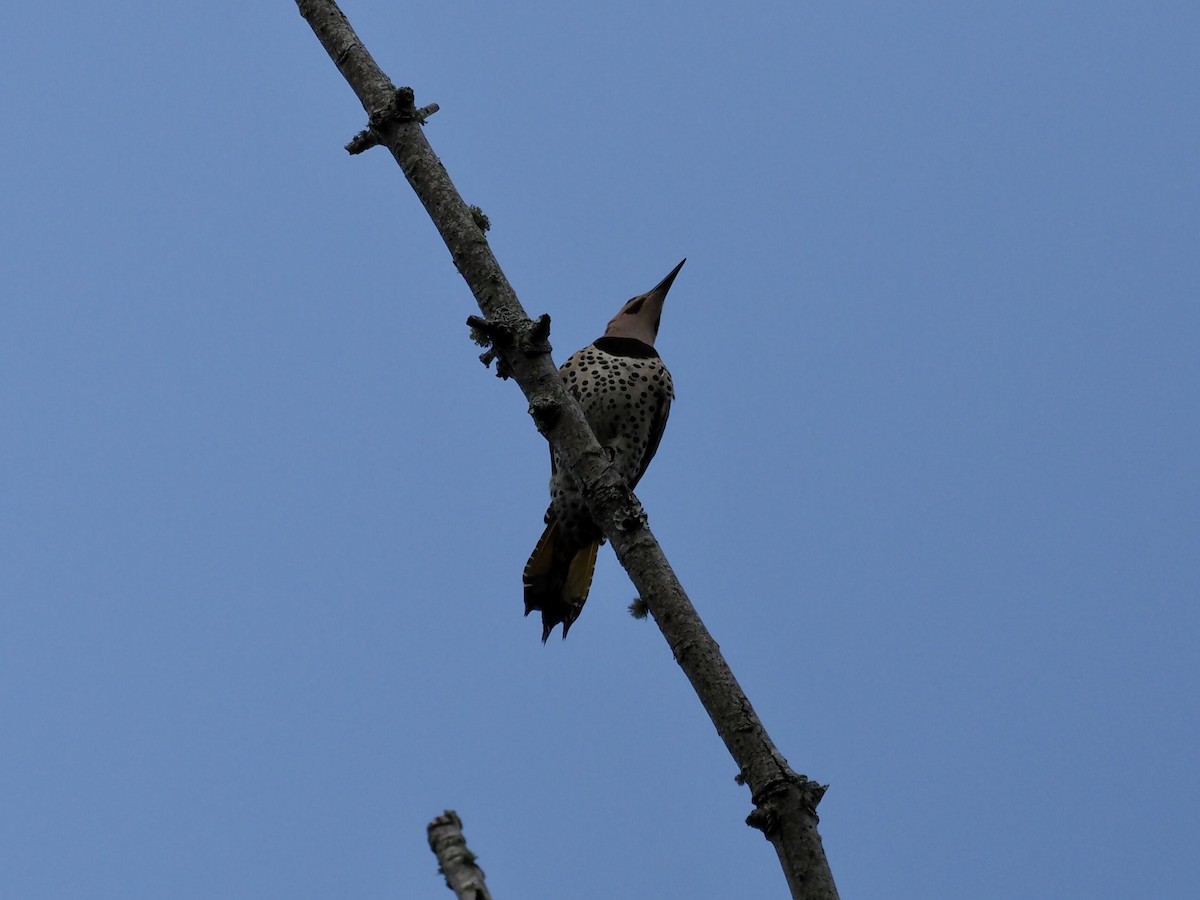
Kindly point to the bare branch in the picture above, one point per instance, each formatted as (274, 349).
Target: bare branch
(785, 802)
(455, 861)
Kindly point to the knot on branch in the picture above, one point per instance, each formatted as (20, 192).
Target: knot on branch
(788, 779)
(633, 518)
(765, 816)
(456, 862)
(479, 217)
(765, 820)
(447, 842)
(545, 413)
(503, 336)
(631, 515)
(401, 107)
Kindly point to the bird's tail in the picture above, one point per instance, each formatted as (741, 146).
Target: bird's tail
(557, 579)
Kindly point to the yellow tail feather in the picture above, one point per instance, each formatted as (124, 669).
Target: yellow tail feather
(541, 562)
(557, 580)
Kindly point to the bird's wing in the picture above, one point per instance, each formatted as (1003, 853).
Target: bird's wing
(657, 426)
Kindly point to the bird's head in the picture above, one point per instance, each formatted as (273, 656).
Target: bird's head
(639, 317)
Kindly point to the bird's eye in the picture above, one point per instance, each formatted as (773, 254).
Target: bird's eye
(635, 306)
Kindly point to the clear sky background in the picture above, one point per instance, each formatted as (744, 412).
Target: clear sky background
(931, 478)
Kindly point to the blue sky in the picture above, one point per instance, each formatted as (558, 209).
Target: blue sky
(931, 476)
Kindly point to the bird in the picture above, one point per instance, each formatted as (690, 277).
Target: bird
(626, 392)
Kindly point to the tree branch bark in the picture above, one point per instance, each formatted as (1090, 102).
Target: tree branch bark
(455, 861)
(785, 802)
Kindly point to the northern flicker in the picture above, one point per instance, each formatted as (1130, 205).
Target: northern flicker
(626, 392)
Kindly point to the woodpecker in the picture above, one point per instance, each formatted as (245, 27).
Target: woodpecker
(626, 392)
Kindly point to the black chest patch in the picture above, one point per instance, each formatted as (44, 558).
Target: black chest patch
(623, 346)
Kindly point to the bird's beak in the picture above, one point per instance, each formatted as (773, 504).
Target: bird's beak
(660, 289)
